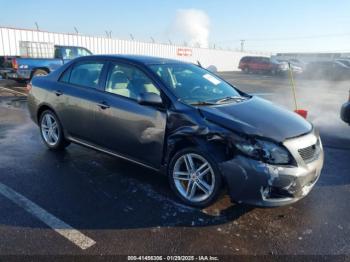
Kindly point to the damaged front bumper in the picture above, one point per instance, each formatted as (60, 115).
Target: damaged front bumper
(257, 183)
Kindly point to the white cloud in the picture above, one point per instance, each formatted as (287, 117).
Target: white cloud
(193, 26)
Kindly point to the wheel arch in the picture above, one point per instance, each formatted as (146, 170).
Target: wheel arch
(196, 147)
(41, 109)
(217, 149)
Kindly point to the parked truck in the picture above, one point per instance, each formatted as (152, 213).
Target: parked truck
(38, 59)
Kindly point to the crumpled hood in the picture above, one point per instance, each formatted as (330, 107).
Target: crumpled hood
(257, 116)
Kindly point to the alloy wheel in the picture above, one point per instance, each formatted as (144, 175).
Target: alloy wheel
(49, 129)
(194, 177)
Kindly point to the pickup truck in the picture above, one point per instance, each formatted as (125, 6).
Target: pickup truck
(22, 69)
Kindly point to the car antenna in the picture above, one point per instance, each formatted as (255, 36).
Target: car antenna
(199, 64)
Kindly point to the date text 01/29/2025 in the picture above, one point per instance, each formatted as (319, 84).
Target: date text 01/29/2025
(173, 258)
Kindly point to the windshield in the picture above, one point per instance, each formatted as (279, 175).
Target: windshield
(345, 62)
(194, 85)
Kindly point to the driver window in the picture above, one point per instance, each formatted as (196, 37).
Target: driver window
(128, 81)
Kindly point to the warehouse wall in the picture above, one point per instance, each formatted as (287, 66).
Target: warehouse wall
(221, 60)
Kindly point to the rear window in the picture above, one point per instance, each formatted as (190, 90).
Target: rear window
(85, 74)
(65, 76)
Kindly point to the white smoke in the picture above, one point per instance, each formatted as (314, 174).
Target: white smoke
(193, 25)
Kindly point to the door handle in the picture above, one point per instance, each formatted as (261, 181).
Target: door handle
(103, 105)
(58, 93)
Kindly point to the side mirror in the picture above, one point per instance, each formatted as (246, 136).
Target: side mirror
(151, 99)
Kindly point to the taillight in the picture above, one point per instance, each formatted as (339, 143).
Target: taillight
(14, 63)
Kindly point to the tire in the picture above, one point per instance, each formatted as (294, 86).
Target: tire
(188, 186)
(40, 72)
(53, 137)
(246, 70)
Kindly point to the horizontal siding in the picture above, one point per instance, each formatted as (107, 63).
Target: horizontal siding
(222, 60)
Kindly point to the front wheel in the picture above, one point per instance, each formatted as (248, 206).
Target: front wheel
(194, 177)
(51, 131)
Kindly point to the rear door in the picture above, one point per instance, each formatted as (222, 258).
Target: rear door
(77, 95)
(123, 125)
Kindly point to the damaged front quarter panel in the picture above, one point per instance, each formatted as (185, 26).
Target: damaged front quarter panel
(248, 180)
(186, 130)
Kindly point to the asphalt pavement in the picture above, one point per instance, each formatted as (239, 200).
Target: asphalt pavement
(124, 209)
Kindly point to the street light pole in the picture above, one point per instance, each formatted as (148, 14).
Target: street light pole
(242, 45)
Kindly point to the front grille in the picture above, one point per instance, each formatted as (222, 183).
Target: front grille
(310, 153)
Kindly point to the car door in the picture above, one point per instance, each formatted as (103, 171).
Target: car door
(77, 91)
(124, 126)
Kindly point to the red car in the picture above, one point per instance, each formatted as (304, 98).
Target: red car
(259, 64)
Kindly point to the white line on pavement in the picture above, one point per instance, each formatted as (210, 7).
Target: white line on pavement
(56, 224)
(13, 91)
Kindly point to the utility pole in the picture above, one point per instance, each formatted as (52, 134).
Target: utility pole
(152, 39)
(242, 45)
(76, 30)
(132, 37)
(37, 26)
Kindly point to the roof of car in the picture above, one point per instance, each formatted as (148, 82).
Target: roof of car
(147, 60)
(255, 57)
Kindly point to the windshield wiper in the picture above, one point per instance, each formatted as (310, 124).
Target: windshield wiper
(202, 103)
(228, 98)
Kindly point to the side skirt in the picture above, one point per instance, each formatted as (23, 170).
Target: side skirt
(83, 143)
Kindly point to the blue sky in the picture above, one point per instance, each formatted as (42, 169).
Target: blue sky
(269, 25)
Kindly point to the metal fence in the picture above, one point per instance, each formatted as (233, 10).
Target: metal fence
(221, 60)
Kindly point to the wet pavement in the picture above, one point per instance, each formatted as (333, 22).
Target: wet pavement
(129, 210)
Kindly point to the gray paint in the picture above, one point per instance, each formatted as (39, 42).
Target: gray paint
(150, 135)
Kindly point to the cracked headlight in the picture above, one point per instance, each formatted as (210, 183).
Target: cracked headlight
(266, 151)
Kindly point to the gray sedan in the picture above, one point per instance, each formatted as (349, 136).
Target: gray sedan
(182, 121)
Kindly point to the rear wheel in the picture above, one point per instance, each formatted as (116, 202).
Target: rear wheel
(194, 177)
(51, 131)
(246, 70)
